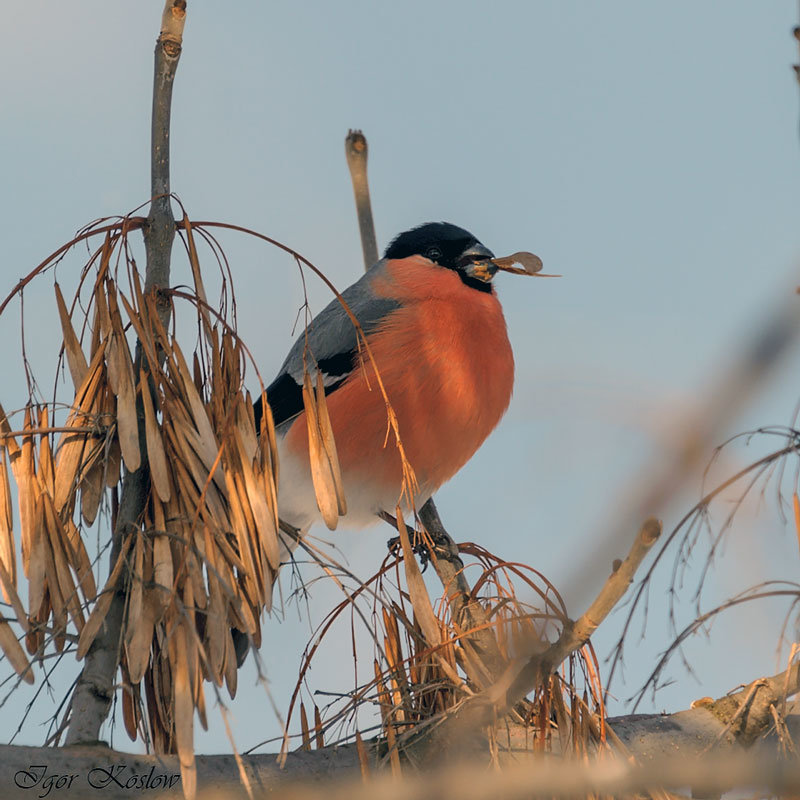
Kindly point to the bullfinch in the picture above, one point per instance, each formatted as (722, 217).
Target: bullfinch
(438, 338)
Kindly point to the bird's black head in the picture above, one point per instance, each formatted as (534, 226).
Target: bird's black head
(448, 246)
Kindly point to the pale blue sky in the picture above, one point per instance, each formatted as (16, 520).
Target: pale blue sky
(648, 152)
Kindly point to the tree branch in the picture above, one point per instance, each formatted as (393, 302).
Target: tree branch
(668, 749)
(94, 688)
(523, 674)
(576, 635)
(355, 148)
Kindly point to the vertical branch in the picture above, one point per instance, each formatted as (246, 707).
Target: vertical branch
(467, 613)
(94, 689)
(160, 228)
(355, 148)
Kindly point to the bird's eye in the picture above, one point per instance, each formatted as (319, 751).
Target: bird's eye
(433, 253)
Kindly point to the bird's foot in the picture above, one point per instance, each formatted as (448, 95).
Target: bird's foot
(418, 547)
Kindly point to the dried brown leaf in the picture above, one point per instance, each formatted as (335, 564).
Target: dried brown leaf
(129, 712)
(184, 708)
(190, 441)
(319, 740)
(113, 463)
(196, 578)
(103, 324)
(127, 419)
(103, 602)
(200, 701)
(231, 668)
(138, 643)
(227, 552)
(262, 514)
(140, 325)
(194, 401)
(268, 430)
(46, 471)
(321, 475)
(423, 610)
(57, 543)
(54, 598)
(36, 570)
(245, 425)
(135, 579)
(92, 488)
(159, 472)
(80, 562)
(162, 572)
(8, 554)
(76, 360)
(216, 630)
(9, 442)
(14, 652)
(197, 276)
(69, 454)
(10, 592)
(304, 730)
(388, 722)
(363, 760)
(239, 526)
(27, 491)
(328, 442)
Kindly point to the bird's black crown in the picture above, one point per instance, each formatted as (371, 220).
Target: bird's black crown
(441, 242)
(445, 244)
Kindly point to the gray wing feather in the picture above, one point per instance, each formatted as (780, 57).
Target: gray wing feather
(331, 333)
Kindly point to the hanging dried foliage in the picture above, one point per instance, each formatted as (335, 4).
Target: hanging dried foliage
(204, 555)
(424, 667)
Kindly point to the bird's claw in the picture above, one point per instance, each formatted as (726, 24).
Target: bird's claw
(418, 547)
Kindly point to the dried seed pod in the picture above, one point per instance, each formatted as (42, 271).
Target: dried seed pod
(8, 555)
(162, 572)
(125, 391)
(76, 360)
(321, 473)
(130, 715)
(184, 709)
(530, 263)
(70, 451)
(326, 436)
(159, 472)
(14, 652)
(264, 519)
(103, 603)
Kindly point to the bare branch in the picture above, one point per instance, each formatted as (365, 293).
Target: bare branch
(526, 672)
(748, 713)
(355, 148)
(94, 689)
(334, 774)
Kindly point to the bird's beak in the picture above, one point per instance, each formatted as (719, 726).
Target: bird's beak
(476, 262)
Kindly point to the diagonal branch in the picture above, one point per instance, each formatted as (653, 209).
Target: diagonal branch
(528, 671)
